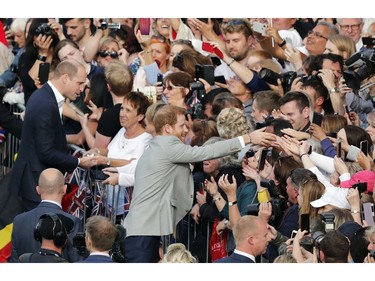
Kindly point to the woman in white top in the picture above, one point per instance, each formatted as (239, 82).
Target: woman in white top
(124, 150)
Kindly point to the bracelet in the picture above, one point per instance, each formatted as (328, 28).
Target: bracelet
(303, 154)
(41, 58)
(282, 43)
(355, 212)
(233, 60)
(249, 138)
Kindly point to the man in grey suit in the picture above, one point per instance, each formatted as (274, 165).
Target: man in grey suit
(163, 189)
(51, 187)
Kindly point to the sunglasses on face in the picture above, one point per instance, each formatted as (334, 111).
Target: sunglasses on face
(250, 153)
(171, 87)
(112, 54)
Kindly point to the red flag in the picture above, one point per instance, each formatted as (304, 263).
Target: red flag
(3, 38)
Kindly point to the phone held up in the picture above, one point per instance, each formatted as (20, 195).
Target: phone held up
(43, 72)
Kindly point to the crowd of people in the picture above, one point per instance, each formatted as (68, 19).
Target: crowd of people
(210, 140)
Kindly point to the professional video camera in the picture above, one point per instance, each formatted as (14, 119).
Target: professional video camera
(279, 205)
(193, 100)
(365, 60)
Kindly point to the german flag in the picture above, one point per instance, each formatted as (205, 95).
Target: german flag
(10, 206)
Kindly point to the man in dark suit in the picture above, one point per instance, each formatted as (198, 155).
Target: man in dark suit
(43, 142)
(51, 188)
(251, 235)
(100, 237)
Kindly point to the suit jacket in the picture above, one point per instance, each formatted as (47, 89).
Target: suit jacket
(97, 259)
(23, 232)
(235, 258)
(43, 144)
(164, 189)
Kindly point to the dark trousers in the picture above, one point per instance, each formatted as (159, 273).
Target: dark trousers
(142, 249)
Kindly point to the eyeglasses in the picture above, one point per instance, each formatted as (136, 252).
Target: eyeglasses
(104, 54)
(171, 87)
(317, 34)
(345, 27)
(250, 153)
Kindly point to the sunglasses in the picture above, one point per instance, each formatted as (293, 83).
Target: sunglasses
(250, 153)
(171, 87)
(112, 54)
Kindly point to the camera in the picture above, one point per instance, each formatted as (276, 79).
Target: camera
(110, 25)
(328, 221)
(279, 205)
(271, 77)
(79, 243)
(44, 29)
(353, 78)
(318, 236)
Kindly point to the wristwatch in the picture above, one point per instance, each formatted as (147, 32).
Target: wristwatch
(230, 204)
(41, 58)
(334, 90)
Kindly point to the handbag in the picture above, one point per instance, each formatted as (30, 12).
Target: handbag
(218, 243)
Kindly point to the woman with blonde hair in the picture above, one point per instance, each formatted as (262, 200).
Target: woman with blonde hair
(340, 45)
(177, 253)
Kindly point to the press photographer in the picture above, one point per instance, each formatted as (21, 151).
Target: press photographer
(103, 240)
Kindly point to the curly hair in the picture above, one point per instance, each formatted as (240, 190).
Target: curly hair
(232, 122)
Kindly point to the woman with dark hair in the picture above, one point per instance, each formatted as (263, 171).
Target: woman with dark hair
(127, 40)
(176, 88)
(353, 135)
(186, 60)
(40, 42)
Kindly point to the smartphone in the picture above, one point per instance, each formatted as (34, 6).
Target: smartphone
(305, 222)
(361, 186)
(80, 106)
(294, 232)
(205, 72)
(262, 160)
(202, 187)
(347, 109)
(363, 145)
(260, 27)
(159, 78)
(368, 213)
(99, 175)
(43, 73)
(317, 119)
(144, 26)
(216, 61)
(353, 153)
(338, 149)
(220, 79)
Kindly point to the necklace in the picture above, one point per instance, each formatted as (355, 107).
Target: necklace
(124, 142)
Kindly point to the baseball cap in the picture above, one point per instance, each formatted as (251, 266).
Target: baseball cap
(333, 196)
(361, 176)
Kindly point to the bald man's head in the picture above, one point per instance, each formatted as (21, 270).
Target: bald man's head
(51, 181)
